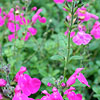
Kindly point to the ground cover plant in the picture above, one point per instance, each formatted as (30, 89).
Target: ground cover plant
(49, 50)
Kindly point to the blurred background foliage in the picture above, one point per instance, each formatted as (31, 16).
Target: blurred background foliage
(44, 54)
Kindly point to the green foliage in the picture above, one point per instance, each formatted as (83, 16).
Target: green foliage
(44, 54)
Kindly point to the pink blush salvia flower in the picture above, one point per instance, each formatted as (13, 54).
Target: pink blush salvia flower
(75, 76)
(82, 79)
(83, 15)
(82, 38)
(27, 84)
(54, 96)
(12, 36)
(96, 30)
(71, 95)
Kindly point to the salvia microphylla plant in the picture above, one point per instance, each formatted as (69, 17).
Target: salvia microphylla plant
(25, 85)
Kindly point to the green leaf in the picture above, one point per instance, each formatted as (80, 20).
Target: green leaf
(45, 80)
(76, 57)
(57, 57)
(96, 89)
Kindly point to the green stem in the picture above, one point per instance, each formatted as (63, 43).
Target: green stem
(68, 48)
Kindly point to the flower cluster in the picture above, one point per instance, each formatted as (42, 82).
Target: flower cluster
(70, 94)
(14, 22)
(82, 16)
(25, 85)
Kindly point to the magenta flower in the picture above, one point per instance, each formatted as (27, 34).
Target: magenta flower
(49, 84)
(27, 36)
(27, 84)
(82, 79)
(82, 38)
(71, 34)
(0, 11)
(42, 19)
(63, 84)
(83, 15)
(96, 30)
(32, 31)
(3, 82)
(12, 36)
(36, 16)
(75, 76)
(34, 8)
(1, 97)
(11, 27)
(59, 1)
(23, 21)
(2, 21)
(54, 96)
(20, 96)
(21, 71)
(71, 95)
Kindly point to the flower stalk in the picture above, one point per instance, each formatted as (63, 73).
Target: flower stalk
(68, 47)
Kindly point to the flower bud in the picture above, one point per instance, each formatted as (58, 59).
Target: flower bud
(17, 12)
(63, 84)
(61, 77)
(49, 84)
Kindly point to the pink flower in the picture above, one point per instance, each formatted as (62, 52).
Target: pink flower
(71, 95)
(27, 84)
(2, 21)
(65, 9)
(83, 15)
(49, 84)
(82, 79)
(20, 96)
(82, 38)
(96, 30)
(10, 15)
(75, 76)
(58, 1)
(36, 16)
(54, 96)
(21, 71)
(71, 34)
(0, 11)
(42, 19)
(71, 80)
(27, 36)
(32, 30)
(1, 97)
(34, 8)
(63, 84)
(12, 36)
(23, 21)
(2, 82)
(11, 27)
